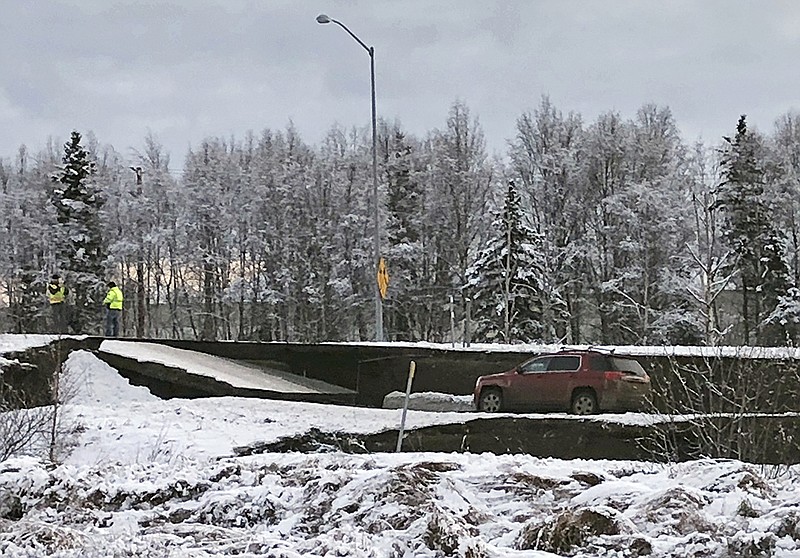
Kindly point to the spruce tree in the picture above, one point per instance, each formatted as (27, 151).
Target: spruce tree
(508, 282)
(404, 204)
(79, 246)
(750, 233)
(546, 156)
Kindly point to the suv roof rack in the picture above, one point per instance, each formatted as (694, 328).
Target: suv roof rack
(602, 350)
(579, 350)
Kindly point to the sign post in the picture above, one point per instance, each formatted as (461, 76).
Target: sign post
(411, 370)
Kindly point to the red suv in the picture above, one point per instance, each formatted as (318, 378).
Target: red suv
(582, 382)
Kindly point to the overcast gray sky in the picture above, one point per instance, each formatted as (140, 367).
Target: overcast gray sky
(188, 69)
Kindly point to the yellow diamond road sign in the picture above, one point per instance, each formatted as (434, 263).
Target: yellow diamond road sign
(383, 278)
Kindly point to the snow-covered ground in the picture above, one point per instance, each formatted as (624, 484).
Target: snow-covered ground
(148, 478)
(429, 401)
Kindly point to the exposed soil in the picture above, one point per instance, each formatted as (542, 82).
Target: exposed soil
(562, 438)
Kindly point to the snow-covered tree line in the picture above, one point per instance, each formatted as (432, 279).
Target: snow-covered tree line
(613, 231)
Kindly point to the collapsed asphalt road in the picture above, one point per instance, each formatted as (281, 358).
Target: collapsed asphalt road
(755, 437)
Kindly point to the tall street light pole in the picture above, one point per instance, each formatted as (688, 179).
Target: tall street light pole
(139, 268)
(323, 19)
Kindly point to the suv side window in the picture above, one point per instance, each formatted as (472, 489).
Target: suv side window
(599, 363)
(535, 365)
(566, 363)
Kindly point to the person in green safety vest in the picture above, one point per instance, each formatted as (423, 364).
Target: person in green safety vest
(113, 304)
(57, 297)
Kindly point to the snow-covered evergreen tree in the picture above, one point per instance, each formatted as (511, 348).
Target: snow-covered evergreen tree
(763, 276)
(507, 282)
(405, 235)
(545, 156)
(78, 244)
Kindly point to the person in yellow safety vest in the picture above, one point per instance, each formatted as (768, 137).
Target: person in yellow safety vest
(113, 304)
(57, 296)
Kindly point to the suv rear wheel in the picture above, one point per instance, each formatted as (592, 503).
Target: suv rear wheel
(584, 403)
(490, 401)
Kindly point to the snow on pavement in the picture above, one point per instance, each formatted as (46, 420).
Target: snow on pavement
(125, 423)
(222, 369)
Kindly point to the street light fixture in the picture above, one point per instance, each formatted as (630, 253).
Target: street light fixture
(323, 19)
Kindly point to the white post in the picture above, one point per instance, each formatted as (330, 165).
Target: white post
(467, 325)
(452, 323)
(411, 370)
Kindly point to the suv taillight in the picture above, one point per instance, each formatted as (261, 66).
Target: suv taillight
(613, 375)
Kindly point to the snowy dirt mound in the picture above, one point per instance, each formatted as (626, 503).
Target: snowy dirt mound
(388, 505)
(89, 381)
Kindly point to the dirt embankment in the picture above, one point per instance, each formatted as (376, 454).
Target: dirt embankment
(27, 376)
(567, 438)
